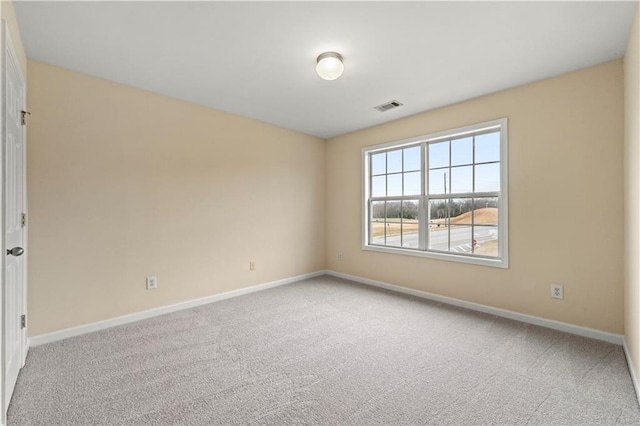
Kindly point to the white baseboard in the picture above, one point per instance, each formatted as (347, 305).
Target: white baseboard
(632, 370)
(617, 339)
(125, 319)
(25, 352)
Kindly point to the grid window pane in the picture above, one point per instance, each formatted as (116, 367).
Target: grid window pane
(485, 211)
(487, 177)
(410, 223)
(412, 160)
(377, 229)
(486, 241)
(460, 239)
(485, 231)
(379, 186)
(438, 155)
(410, 235)
(393, 220)
(394, 185)
(412, 183)
(410, 210)
(462, 151)
(461, 179)
(439, 181)
(439, 225)
(488, 147)
(461, 211)
(379, 164)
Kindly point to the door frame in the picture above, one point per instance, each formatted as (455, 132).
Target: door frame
(8, 51)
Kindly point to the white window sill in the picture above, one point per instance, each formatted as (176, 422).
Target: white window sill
(474, 260)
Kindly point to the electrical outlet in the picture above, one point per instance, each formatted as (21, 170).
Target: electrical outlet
(252, 266)
(152, 283)
(340, 256)
(557, 291)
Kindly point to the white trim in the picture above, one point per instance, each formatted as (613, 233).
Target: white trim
(605, 336)
(25, 229)
(450, 257)
(632, 370)
(126, 319)
(27, 346)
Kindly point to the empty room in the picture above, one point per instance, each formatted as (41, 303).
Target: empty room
(331, 212)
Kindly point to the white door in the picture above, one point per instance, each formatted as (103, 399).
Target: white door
(14, 202)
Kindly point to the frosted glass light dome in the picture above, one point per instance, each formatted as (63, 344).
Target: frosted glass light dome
(330, 65)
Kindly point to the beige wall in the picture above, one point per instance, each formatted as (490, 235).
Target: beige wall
(565, 201)
(9, 15)
(632, 193)
(125, 184)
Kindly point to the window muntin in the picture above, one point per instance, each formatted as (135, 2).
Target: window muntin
(441, 195)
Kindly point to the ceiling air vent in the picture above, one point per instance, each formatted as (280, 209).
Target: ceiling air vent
(387, 106)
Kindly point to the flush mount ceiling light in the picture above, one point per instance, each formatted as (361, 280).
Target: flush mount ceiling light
(330, 65)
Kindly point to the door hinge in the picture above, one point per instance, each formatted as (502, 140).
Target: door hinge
(24, 220)
(24, 117)
(23, 321)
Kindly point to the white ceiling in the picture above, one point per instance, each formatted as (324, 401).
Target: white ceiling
(258, 59)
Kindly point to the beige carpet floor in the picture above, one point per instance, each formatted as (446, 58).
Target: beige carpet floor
(325, 351)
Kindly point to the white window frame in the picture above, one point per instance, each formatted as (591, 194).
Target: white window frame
(503, 199)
